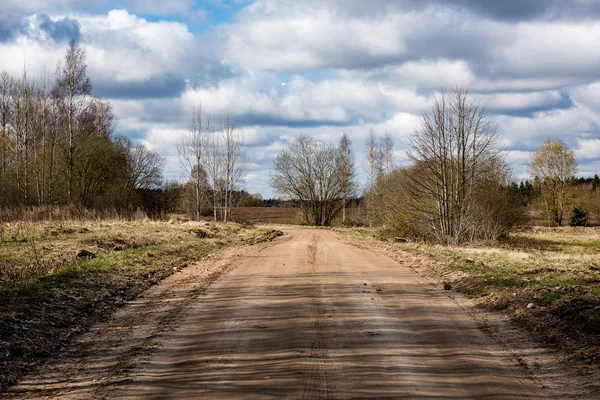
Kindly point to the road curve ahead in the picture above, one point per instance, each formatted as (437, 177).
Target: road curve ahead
(312, 317)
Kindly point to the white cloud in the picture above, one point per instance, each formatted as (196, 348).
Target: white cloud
(551, 49)
(120, 48)
(521, 101)
(327, 101)
(265, 37)
(589, 149)
(423, 42)
(587, 95)
(322, 67)
(50, 5)
(161, 7)
(529, 133)
(128, 48)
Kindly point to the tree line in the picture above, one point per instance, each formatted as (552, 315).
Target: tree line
(58, 148)
(59, 151)
(458, 187)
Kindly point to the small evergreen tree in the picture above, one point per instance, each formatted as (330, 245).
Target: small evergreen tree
(579, 217)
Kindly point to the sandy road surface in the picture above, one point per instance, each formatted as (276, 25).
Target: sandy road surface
(308, 317)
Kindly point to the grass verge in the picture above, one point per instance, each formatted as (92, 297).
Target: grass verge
(49, 294)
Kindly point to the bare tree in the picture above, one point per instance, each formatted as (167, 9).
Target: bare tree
(386, 149)
(309, 172)
(193, 150)
(554, 166)
(23, 97)
(214, 170)
(51, 135)
(408, 211)
(234, 163)
(6, 113)
(374, 167)
(43, 128)
(373, 159)
(145, 168)
(98, 119)
(347, 172)
(72, 88)
(454, 152)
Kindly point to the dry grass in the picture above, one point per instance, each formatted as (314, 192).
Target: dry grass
(33, 249)
(556, 269)
(65, 214)
(48, 294)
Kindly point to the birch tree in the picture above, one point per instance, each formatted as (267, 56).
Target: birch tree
(6, 113)
(23, 124)
(193, 149)
(347, 172)
(214, 171)
(386, 149)
(554, 166)
(56, 146)
(373, 159)
(73, 87)
(374, 168)
(234, 163)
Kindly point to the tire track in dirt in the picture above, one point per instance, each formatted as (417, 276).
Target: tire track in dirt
(119, 345)
(121, 372)
(336, 322)
(316, 386)
(542, 366)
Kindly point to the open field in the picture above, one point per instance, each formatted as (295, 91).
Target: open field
(266, 215)
(553, 271)
(49, 293)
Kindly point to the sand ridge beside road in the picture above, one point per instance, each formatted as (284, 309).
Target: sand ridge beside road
(306, 317)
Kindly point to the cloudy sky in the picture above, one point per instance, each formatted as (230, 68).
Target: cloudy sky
(324, 67)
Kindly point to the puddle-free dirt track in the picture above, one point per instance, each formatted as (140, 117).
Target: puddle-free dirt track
(306, 317)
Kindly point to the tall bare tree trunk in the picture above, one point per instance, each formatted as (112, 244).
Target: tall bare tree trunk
(192, 153)
(72, 89)
(234, 163)
(347, 172)
(374, 165)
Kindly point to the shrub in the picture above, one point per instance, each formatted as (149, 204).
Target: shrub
(493, 211)
(579, 217)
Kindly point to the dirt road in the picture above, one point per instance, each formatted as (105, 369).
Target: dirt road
(308, 317)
